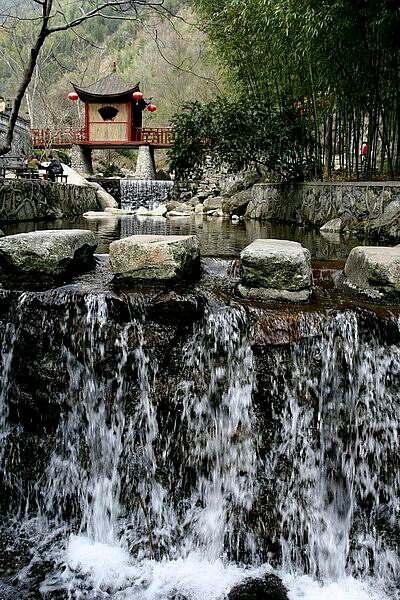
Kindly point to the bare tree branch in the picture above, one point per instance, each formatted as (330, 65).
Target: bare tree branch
(51, 13)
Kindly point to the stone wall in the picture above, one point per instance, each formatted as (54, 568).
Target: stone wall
(24, 200)
(22, 142)
(362, 206)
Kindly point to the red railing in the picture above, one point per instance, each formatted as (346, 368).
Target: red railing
(46, 138)
(160, 136)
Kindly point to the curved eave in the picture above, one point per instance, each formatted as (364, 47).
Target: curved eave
(87, 96)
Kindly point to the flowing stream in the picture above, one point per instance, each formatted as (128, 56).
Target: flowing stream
(143, 499)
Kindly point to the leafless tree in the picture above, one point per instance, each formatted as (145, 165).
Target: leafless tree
(49, 17)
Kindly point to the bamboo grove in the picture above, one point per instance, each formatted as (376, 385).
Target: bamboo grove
(335, 63)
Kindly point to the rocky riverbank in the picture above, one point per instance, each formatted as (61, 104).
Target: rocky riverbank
(364, 209)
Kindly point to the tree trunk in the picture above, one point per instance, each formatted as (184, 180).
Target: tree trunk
(27, 77)
(328, 147)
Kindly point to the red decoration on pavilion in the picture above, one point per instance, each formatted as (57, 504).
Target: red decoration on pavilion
(73, 96)
(137, 96)
(152, 108)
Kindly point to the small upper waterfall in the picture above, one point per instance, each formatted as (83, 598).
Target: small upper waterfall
(147, 193)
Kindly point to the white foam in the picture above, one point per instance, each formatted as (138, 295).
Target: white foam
(348, 588)
(195, 577)
(111, 568)
(104, 564)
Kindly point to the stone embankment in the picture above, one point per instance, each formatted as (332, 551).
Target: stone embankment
(25, 200)
(365, 209)
(34, 200)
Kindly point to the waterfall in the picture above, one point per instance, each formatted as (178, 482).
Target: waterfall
(106, 456)
(334, 459)
(166, 475)
(99, 432)
(136, 193)
(8, 447)
(218, 439)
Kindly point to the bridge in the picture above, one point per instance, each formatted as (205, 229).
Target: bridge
(157, 137)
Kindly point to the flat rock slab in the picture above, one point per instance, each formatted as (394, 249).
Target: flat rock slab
(276, 265)
(271, 295)
(155, 257)
(46, 255)
(374, 270)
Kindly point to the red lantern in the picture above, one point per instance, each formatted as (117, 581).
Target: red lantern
(152, 108)
(73, 96)
(138, 96)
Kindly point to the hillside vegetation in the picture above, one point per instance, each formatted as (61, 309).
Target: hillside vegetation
(168, 57)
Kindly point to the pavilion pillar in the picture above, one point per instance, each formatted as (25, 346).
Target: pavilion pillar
(81, 160)
(145, 166)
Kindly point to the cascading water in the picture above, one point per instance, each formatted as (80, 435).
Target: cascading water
(335, 456)
(218, 439)
(9, 338)
(146, 193)
(158, 495)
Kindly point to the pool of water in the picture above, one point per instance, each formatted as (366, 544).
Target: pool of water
(218, 237)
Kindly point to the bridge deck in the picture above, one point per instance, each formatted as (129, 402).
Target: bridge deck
(156, 137)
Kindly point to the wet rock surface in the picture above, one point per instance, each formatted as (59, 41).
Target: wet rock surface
(155, 258)
(45, 255)
(276, 270)
(374, 271)
(269, 587)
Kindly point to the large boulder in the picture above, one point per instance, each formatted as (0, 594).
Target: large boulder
(244, 180)
(105, 200)
(46, 255)
(375, 271)
(212, 204)
(174, 205)
(269, 587)
(276, 270)
(155, 257)
(237, 204)
(332, 226)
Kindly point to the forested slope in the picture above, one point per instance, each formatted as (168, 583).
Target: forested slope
(168, 56)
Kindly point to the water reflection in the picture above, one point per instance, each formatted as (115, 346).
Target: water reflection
(218, 237)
